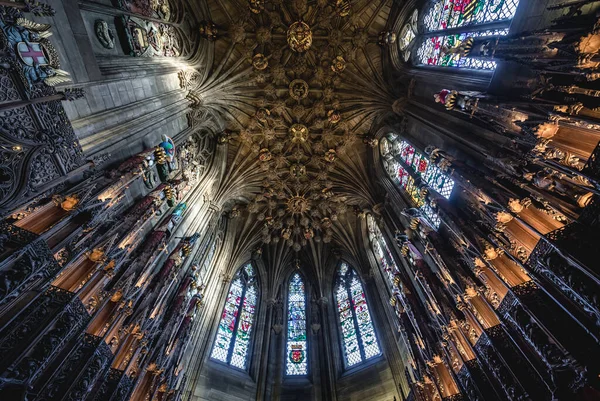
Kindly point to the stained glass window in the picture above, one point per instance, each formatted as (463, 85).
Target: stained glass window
(419, 165)
(297, 352)
(358, 335)
(233, 334)
(472, 15)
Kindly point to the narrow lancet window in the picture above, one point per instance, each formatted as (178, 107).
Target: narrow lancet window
(296, 347)
(359, 342)
(233, 335)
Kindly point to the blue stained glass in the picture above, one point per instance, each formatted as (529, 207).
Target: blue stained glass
(233, 334)
(296, 347)
(358, 335)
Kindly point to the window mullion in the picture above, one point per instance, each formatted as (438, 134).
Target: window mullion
(355, 320)
(237, 323)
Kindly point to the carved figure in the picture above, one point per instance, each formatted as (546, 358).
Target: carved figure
(464, 100)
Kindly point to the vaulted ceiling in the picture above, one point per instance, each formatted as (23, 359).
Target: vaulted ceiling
(298, 86)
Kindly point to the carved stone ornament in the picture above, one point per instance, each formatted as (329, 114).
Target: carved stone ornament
(104, 34)
(299, 133)
(37, 57)
(260, 62)
(150, 39)
(256, 6)
(338, 65)
(299, 37)
(298, 205)
(208, 30)
(298, 89)
(342, 8)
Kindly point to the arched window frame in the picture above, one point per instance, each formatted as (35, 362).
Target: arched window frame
(301, 371)
(246, 276)
(382, 252)
(342, 285)
(389, 268)
(401, 169)
(408, 34)
(447, 23)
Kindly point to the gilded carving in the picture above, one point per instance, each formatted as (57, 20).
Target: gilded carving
(299, 37)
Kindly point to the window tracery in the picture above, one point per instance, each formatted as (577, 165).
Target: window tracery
(465, 20)
(235, 328)
(296, 344)
(417, 164)
(407, 34)
(359, 342)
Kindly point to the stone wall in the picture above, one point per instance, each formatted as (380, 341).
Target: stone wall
(372, 383)
(130, 101)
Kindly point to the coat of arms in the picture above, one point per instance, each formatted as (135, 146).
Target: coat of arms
(37, 57)
(297, 354)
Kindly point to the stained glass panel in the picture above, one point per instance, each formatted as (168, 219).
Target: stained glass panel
(233, 334)
(297, 356)
(358, 335)
(436, 179)
(406, 36)
(242, 340)
(431, 174)
(382, 251)
(349, 338)
(447, 14)
(433, 51)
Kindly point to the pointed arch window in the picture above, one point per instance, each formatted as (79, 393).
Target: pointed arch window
(448, 23)
(359, 341)
(403, 162)
(296, 344)
(235, 328)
